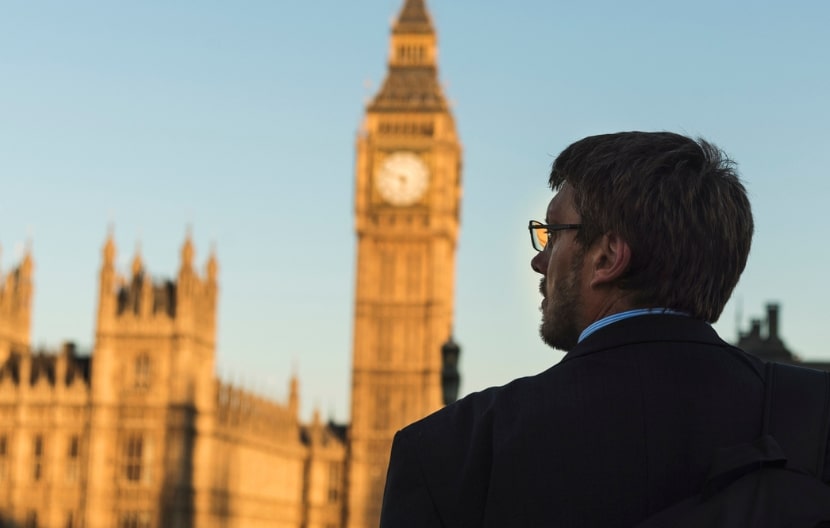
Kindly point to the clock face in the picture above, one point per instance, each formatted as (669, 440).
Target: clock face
(402, 178)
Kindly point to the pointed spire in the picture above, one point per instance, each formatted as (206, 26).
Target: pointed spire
(26, 266)
(109, 248)
(413, 18)
(316, 429)
(212, 264)
(294, 395)
(138, 265)
(187, 250)
(107, 278)
(146, 295)
(411, 83)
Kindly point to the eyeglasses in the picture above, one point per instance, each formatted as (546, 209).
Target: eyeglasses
(540, 233)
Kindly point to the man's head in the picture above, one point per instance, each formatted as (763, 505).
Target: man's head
(665, 223)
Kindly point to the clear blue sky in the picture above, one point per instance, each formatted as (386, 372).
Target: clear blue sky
(240, 118)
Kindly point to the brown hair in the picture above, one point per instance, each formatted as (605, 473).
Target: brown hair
(677, 202)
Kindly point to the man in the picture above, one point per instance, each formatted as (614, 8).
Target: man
(639, 252)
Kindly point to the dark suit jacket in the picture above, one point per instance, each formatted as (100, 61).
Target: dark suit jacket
(624, 426)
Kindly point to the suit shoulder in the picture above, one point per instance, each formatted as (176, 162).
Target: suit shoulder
(475, 413)
(467, 413)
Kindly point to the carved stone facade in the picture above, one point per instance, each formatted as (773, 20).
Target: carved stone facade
(142, 434)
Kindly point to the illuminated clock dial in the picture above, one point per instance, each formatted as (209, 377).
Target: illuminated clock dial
(402, 178)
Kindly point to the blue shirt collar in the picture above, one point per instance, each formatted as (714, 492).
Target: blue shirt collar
(613, 318)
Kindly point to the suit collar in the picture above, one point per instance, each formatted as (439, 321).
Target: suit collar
(645, 329)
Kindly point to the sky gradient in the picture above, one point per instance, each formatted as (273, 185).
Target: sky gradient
(239, 120)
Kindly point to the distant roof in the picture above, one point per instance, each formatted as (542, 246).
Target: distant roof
(410, 89)
(44, 365)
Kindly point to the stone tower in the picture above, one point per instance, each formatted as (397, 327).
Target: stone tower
(408, 189)
(152, 392)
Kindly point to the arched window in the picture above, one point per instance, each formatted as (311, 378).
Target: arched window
(142, 372)
(133, 457)
(4, 456)
(73, 455)
(37, 458)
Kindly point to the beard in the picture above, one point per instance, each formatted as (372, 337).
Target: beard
(560, 328)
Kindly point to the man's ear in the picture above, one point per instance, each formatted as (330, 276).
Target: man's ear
(611, 259)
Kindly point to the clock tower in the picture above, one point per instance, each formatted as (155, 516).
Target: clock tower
(408, 189)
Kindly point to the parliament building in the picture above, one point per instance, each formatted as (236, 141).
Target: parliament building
(142, 433)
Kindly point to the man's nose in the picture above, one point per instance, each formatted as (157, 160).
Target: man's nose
(539, 262)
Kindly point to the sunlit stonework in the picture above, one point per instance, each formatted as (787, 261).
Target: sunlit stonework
(142, 434)
(408, 177)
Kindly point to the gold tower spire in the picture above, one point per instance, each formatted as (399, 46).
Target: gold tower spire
(413, 18)
(411, 83)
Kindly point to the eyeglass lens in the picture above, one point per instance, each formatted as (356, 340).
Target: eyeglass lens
(541, 236)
